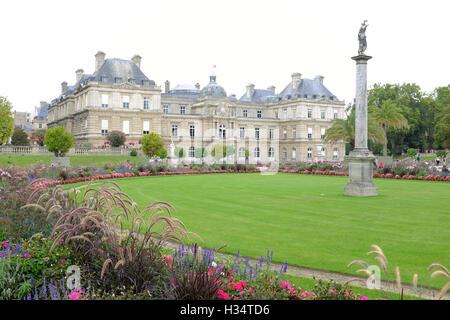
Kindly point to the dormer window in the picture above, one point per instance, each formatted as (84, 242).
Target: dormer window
(131, 80)
(118, 80)
(104, 79)
(145, 82)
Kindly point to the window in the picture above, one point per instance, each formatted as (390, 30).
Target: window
(284, 113)
(146, 103)
(192, 131)
(309, 153)
(294, 153)
(309, 113)
(241, 152)
(284, 133)
(335, 114)
(322, 114)
(86, 123)
(322, 133)
(276, 114)
(294, 113)
(322, 151)
(104, 126)
(165, 109)
(191, 152)
(105, 100)
(244, 113)
(222, 131)
(174, 130)
(271, 134)
(309, 133)
(256, 152)
(284, 153)
(335, 153)
(257, 133)
(242, 132)
(259, 114)
(146, 127)
(126, 102)
(271, 152)
(182, 109)
(126, 126)
(294, 132)
(40, 125)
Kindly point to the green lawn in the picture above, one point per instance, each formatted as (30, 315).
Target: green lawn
(25, 160)
(307, 220)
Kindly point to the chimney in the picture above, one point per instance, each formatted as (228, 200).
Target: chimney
(99, 60)
(296, 80)
(167, 86)
(63, 86)
(79, 75)
(319, 78)
(197, 86)
(137, 60)
(271, 88)
(250, 90)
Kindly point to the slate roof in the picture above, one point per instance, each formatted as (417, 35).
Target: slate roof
(310, 89)
(184, 91)
(119, 68)
(42, 112)
(212, 89)
(259, 95)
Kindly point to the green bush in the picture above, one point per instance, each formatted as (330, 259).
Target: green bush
(58, 140)
(117, 138)
(440, 153)
(19, 137)
(133, 153)
(412, 152)
(152, 145)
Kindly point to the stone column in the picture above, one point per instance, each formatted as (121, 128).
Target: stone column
(360, 160)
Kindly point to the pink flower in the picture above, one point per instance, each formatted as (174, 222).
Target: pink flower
(242, 292)
(46, 258)
(5, 244)
(27, 255)
(364, 298)
(74, 296)
(63, 261)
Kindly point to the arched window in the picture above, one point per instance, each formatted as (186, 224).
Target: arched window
(271, 152)
(284, 153)
(256, 152)
(294, 154)
(241, 152)
(335, 153)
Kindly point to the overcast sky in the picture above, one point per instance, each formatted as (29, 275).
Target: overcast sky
(261, 42)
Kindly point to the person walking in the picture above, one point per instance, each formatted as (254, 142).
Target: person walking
(438, 160)
(418, 157)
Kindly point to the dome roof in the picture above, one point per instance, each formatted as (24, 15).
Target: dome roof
(212, 89)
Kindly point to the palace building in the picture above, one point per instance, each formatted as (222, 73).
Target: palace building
(286, 127)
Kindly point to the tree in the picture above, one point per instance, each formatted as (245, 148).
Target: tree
(117, 138)
(344, 130)
(163, 153)
(179, 152)
(388, 116)
(152, 145)
(200, 153)
(19, 137)
(442, 95)
(6, 120)
(40, 135)
(58, 140)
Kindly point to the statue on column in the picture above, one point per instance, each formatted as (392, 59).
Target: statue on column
(362, 38)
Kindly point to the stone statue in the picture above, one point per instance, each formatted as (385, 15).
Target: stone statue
(362, 38)
(172, 148)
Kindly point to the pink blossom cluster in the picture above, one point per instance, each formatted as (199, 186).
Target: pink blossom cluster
(412, 177)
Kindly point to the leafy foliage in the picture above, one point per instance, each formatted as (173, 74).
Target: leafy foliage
(152, 144)
(6, 120)
(19, 137)
(58, 140)
(117, 138)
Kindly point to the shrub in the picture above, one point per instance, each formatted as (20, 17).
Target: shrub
(58, 140)
(440, 153)
(117, 138)
(412, 152)
(133, 153)
(152, 145)
(19, 137)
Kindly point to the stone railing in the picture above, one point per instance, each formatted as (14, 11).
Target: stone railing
(38, 150)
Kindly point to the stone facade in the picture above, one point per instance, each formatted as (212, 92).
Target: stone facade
(287, 127)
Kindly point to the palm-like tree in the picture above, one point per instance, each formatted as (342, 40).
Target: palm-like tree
(344, 130)
(388, 116)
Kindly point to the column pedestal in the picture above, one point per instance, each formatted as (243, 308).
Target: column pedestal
(360, 182)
